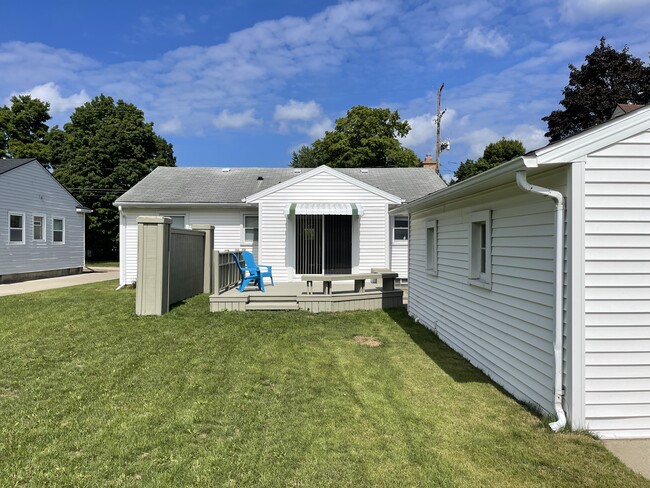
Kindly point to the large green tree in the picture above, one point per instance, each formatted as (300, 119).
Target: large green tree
(494, 154)
(23, 129)
(608, 77)
(365, 137)
(104, 150)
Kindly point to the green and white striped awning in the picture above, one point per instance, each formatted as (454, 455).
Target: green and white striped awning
(323, 209)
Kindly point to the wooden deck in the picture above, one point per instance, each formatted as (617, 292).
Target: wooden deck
(293, 296)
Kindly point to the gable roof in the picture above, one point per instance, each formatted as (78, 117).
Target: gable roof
(332, 172)
(624, 108)
(567, 151)
(7, 165)
(216, 186)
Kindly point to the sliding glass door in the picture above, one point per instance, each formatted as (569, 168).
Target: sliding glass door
(323, 243)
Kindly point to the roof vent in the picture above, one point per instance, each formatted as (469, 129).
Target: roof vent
(260, 178)
(225, 170)
(364, 170)
(297, 171)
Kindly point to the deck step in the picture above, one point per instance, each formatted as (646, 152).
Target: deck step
(276, 305)
(272, 298)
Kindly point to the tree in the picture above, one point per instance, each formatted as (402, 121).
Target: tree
(607, 78)
(104, 150)
(365, 137)
(23, 129)
(494, 154)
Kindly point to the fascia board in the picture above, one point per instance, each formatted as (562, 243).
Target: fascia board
(320, 170)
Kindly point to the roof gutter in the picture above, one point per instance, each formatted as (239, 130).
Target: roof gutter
(177, 204)
(522, 183)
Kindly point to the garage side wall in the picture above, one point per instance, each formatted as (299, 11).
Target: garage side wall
(617, 289)
(507, 331)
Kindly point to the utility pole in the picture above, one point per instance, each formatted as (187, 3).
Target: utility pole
(439, 115)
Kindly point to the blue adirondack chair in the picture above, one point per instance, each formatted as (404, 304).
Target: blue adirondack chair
(251, 272)
(249, 259)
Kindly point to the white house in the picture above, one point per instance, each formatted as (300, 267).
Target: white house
(487, 275)
(319, 220)
(41, 224)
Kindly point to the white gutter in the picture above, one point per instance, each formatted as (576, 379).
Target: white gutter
(122, 246)
(559, 280)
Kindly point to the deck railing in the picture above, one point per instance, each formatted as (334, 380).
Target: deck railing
(225, 271)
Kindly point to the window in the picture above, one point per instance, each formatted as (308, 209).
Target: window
(178, 221)
(432, 247)
(58, 230)
(38, 227)
(251, 229)
(401, 228)
(480, 259)
(17, 228)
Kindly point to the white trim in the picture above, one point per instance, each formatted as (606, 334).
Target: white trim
(9, 228)
(186, 223)
(43, 228)
(431, 247)
(576, 302)
(315, 172)
(177, 204)
(476, 276)
(400, 242)
(243, 240)
(61, 242)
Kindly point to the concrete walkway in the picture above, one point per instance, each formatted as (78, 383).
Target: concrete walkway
(98, 274)
(635, 453)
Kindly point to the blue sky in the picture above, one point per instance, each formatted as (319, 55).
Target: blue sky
(243, 82)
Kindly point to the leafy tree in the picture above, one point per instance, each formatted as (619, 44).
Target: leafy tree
(365, 137)
(104, 150)
(23, 129)
(607, 78)
(494, 154)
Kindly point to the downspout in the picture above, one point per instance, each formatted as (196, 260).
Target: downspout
(559, 281)
(122, 263)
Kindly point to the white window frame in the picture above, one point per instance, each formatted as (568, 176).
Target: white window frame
(480, 275)
(62, 241)
(43, 228)
(408, 230)
(431, 242)
(243, 229)
(176, 214)
(9, 228)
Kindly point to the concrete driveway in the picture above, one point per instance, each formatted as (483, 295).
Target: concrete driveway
(635, 453)
(94, 276)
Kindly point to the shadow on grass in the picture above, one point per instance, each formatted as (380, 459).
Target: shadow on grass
(452, 363)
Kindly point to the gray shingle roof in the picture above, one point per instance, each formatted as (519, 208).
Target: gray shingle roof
(212, 185)
(9, 164)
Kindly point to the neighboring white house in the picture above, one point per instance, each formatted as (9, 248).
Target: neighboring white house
(319, 220)
(41, 224)
(483, 276)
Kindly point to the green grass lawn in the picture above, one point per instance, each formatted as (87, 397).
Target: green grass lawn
(102, 264)
(91, 395)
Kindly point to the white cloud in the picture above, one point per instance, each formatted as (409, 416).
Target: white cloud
(489, 41)
(318, 129)
(176, 25)
(580, 10)
(49, 92)
(478, 139)
(295, 110)
(423, 131)
(531, 136)
(171, 126)
(227, 120)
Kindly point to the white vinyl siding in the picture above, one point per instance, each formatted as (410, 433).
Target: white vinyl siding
(617, 289)
(30, 190)
(227, 231)
(371, 248)
(507, 331)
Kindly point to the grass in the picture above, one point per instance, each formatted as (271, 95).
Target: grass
(91, 395)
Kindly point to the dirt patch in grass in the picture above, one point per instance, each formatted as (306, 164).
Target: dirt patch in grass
(7, 393)
(367, 341)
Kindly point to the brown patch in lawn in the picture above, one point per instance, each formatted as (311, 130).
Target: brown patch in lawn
(8, 393)
(367, 341)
